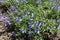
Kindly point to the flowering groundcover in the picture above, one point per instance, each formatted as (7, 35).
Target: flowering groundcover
(31, 19)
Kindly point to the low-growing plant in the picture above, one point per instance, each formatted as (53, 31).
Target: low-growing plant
(32, 20)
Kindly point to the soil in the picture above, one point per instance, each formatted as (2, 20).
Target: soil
(4, 35)
(50, 36)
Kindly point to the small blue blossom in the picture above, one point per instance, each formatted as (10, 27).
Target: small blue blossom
(10, 13)
(16, 0)
(22, 31)
(39, 24)
(16, 6)
(36, 23)
(23, 16)
(1, 1)
(39, 1)
(26, 15)
(12, 7)
(36, 31)
(24, 1)
(8, 22)
(31, 25)
(16, 18)
(56, 6)
(59, 27)
(13, 34)
(16, 11)
(7, 17)
(58, 21)
(31, 19)
(29, 32)
(20, 20)
(3, 18)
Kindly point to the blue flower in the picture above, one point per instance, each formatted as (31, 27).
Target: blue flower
(16, 0)
(12, 7)
(24, 1)
(19, 20)
(26, 15)
(16, 11)
(39, 1)
(59, 27)
(29, 32)
(16, 6)
(7, 17)
(23, 16)
(59, 8)
(22, 31)
(37, 31)
(31, 19)
(16, 18)
(13, 34)
(39, 24)
(58, 21)
(8, 22)
(56, 6)
(1, 1)
(10, 13)
(31, 25)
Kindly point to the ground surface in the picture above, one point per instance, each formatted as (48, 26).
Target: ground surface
(4, 34)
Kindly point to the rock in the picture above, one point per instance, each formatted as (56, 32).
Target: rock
(2, 26)
(4, 35)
